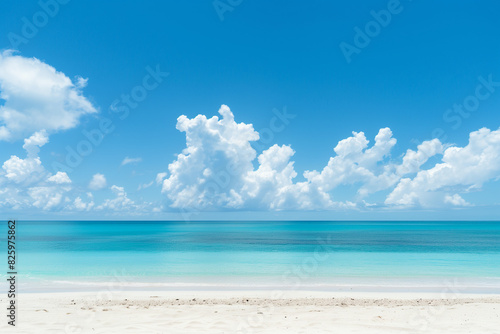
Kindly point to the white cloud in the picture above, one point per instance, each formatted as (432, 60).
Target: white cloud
(456, 200)
(210, 170)
(216, 170)
(47, 198)
(128, 160)
(80, 205)
(19, 170)
(98, 182)
(160, 177)
(120, 203)
(356, 163)
(25, 182)
(32, 144)
(268, 186)
(219, 170)
(37, 97)
(59, 178)
(461, 169)
(29, 170)
(37, 100)
(412, 161)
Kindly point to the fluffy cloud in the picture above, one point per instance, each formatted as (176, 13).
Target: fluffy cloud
(59, 178)
(37, 97)
(25, 182)
(267, 187)
(461, 169)
(412, 161)
(356, 163)
(98, 182)
(216, 170)
(456, 200)
(220, 170)
(120, 203)
(80, 205)
(37, 100)
(210, 171)
(47, 198)
(27, 170)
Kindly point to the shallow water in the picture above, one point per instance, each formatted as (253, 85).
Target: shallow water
(260, 254)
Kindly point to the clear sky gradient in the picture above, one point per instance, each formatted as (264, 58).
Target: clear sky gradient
(260, 58)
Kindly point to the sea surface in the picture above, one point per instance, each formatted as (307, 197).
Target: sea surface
(393, 255)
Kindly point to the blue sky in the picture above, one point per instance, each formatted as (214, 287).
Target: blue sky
(261, 59)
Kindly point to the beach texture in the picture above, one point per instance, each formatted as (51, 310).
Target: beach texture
(254, 312)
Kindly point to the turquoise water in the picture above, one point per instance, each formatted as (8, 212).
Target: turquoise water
(298, 254)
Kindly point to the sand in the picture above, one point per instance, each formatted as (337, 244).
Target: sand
(253, 312)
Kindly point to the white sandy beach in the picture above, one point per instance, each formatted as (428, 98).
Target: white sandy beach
(254, 312)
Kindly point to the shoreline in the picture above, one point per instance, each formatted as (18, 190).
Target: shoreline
(438, 290)
(276, 294)
(459, 285)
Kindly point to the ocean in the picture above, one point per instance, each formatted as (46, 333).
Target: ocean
(336, 255)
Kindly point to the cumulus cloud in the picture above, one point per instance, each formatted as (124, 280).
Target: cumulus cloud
(128, 160)
(47, 198)
(37, 97)
(30, 169)
(220, 170)
(269, 185)
(120, 203)
(59, 178)
(355, 162)
(461, 169)
(24, 182)
(98, 182)
(81, 205)
(217, 170)
(413, 160)
(210, 170)
(36, 100)
(456, 200)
